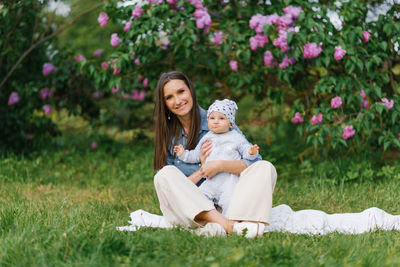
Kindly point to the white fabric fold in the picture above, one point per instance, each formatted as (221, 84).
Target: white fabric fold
(284, 219)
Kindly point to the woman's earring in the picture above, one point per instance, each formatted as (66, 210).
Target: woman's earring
(169, 118)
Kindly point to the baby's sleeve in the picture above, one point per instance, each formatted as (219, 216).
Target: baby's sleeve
(193, 156)
(244, 147)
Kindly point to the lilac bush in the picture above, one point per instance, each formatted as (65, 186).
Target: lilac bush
(341, 84)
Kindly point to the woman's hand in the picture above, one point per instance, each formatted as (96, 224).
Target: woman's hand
(206, 149)
(211, 168)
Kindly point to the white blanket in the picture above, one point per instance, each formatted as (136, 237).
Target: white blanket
(284, 219)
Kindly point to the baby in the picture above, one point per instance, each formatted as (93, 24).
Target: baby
(228, 144)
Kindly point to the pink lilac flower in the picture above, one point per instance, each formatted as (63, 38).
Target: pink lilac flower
(142, 95)
(29, 136)
(115, 40)
(366, 36)
(181, 23)
(115, 89)
(196, 3)
(281, 41)
(47, 109)
(258, 40)
(45, 93)
(140, 78)
(218, 38)
(98, 52)
(339, 53)
(145, 82)
(79, 58)
(297, 118)
(127, 25)
(135, 94)
(94, 146)
(131, 57)
(233, 64)
(285, 63)
(284, 22)
(362, 94)
(103, 19)
(116, 70)
(137, 61)
(48, 68)
(293, 11)
(365, 103)
(399, 136)
(348, 132)
(164, 45)
(336, 102)
(316, 119)
(137, 12)
(203, 19)
(172, 2)
(126, 96)
(14, 98)
(388, 103)
(311, 50)
(104, 65)
(258, 21)
(269, 59)
(292, 60)
(96, 95)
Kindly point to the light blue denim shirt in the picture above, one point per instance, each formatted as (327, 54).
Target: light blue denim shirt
(189, 168)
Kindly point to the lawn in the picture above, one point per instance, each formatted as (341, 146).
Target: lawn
(61, 208)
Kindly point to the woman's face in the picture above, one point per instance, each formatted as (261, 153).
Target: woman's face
(178, 98)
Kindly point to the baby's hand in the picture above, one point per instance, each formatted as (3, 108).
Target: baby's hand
(179, 150)
(254, 149)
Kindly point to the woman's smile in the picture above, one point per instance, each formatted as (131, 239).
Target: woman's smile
(178, 98)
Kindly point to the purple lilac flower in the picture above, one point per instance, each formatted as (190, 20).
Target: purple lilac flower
(388, 103)
(311, 50)
(98, 52)
(47, 109)
(48, 68)
(46, 93)
(137, 12)
(297, 118)
(234, 65)
(218, 38)
(103, 19)
(366, 36)
(339, 53)
(348, 132)
(14, 98)
(336, 102)
(127, 25)
(316, 119)
(115, 40)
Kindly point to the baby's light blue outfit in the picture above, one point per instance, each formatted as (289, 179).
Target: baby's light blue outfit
(226, 146)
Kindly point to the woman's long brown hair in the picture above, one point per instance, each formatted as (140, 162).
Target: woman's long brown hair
(166, 129)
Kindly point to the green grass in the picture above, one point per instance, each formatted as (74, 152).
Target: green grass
(61, 209)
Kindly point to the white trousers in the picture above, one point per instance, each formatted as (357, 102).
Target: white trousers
(181, 200)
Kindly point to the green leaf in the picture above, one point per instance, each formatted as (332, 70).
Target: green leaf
(388, 28)
(383, 45)
(386, 144)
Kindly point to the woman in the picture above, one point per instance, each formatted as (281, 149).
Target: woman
(179, 120)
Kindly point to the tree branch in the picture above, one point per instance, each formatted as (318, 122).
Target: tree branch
(42, 40)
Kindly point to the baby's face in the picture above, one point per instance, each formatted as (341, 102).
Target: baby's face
(218, 123)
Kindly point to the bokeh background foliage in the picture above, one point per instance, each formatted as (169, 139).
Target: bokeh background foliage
(115, 89)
